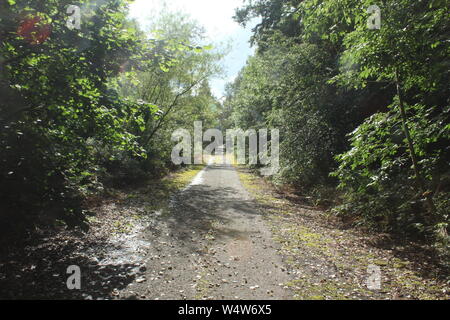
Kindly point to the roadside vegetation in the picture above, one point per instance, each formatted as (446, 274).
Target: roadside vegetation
(363, 114)
(86, 111)
(329, 261)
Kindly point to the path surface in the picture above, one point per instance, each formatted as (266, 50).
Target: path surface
(213, 244)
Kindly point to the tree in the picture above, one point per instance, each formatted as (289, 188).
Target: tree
(320, 73)
(409, 51)
(59, 107)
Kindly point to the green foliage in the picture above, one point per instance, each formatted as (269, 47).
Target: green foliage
(73, 113)
(54, 83)
(287, 86)
(320, 73)
(377, 176)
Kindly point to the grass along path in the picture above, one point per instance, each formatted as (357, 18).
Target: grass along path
(329, 262)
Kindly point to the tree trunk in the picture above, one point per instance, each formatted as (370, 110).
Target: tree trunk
(419, 178)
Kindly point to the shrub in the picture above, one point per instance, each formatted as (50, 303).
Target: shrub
(377, 176)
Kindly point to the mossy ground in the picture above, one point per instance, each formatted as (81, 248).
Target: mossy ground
(158, 192)
(153, 198)
(331, 263)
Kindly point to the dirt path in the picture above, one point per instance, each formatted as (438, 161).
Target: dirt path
(213, 244)
(227, 235)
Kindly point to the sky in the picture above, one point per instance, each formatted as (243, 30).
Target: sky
(216, 17)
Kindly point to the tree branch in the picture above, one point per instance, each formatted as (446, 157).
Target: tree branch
(172, 105)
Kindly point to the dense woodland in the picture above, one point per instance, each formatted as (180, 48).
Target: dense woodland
(363, 114)
(366, 111)
(84, 110)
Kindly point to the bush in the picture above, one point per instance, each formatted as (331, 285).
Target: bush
(36, 181)
(377, 176)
